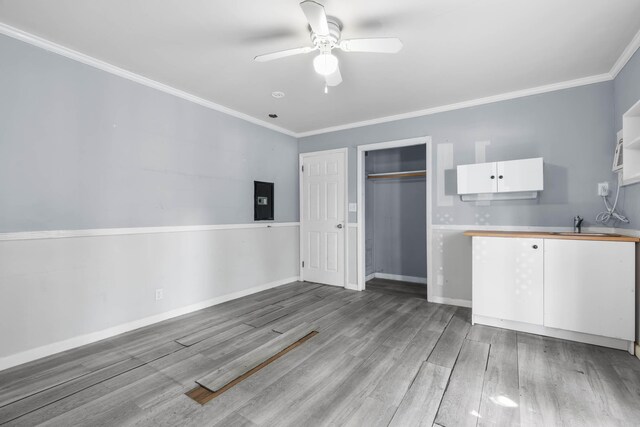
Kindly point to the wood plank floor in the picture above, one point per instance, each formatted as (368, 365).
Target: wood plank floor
(381, 357)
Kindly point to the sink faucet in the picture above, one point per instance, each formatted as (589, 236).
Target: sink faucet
(577, 224)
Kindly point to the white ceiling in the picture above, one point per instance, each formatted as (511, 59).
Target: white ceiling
(454, 50)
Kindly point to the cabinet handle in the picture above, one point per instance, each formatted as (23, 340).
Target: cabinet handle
(535, 246)
(500, 176)
(493, 177)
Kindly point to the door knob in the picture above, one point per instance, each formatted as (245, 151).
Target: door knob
(339, 226)
(535, 246)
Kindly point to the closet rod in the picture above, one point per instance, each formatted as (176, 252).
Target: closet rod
(403, 174)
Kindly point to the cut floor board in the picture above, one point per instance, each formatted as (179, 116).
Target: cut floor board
(203, 395)
(224, 374)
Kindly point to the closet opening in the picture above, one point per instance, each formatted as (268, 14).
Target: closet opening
(394, 218)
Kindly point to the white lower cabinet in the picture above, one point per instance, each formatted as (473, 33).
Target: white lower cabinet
(575, 289)
(589, 287)
(508, 278)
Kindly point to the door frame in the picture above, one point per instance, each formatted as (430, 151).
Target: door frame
(345, 227)
(362, 149)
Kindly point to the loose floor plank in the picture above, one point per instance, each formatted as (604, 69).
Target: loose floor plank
(420, 404)
(203, 395)
(381, 404)
(224, 374)
(500, 403)
(448, 347)
(461, 400)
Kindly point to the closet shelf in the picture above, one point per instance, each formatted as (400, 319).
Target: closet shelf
(402, 174)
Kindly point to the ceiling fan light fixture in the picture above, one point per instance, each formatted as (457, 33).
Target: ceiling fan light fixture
(325, 64)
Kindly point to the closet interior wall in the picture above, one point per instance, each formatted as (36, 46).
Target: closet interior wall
(395, 214)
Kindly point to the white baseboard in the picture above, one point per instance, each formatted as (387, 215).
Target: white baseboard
(68, 344)
(451, 301)
(369, 277)
(555, 333)
(352, 286)
(400, 277)
(638, 350)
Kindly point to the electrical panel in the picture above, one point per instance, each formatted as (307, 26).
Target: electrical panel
(262, 201)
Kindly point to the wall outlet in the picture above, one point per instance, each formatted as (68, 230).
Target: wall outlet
(159, 294)
(603, 189)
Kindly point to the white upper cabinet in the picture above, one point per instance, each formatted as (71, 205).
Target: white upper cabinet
(520, 175)
(512, 176)
(478, 178)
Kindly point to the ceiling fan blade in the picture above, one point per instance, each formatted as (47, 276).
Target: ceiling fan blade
(283, 54)
(334, 79)
(379, 45)
(316, 16)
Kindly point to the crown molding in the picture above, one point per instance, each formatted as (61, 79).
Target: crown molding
(50, 46)
(466, 104)
(626, 55)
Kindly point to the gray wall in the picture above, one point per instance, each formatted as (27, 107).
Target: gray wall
(572, 129)
(81, 148)
(626, 89)
(395, 214)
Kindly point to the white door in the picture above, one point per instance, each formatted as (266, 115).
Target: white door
(477, 178)
(520, 175)
(508, 278)
(323, 224)
(589, 287)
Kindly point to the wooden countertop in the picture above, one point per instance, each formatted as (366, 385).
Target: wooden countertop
(550, 235)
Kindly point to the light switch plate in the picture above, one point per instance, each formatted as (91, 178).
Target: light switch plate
(353, 207)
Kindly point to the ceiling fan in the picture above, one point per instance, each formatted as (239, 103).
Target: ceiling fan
(325, 36)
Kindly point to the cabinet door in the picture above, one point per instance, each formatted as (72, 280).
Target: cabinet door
(520, 175)
(507, 278)
(477, 179)
(589, 287)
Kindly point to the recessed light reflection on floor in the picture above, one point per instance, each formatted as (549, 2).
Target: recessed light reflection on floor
(503, 401)
(475, 413)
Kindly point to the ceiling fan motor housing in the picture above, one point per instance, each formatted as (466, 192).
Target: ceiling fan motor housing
(330, 41)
